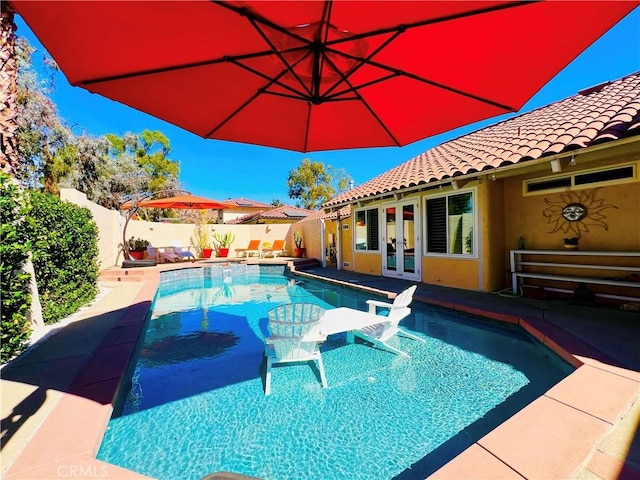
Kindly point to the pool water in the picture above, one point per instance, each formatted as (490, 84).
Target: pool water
(196, 403)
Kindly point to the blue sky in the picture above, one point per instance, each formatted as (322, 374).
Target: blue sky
(223, 170)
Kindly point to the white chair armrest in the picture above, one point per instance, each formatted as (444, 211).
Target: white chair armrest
(376, 303)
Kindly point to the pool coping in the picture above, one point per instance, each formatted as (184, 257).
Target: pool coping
(550, 438)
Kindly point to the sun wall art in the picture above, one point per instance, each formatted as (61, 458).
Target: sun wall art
(576, 212)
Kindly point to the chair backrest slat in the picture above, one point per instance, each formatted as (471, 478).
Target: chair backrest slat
(294, 328)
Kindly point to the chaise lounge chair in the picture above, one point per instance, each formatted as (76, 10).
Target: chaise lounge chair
(252, 248)
(371, 326)
(276, 249)
(183, 252)
(160, 256)
(295, 337)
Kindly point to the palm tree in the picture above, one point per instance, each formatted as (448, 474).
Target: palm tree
(8, 92)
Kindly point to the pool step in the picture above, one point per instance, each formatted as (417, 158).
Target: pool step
(306, 263)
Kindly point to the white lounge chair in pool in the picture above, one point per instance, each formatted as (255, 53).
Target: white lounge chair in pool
(371, 326)
(295, 337)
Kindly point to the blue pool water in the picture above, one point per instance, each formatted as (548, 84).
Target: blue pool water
(196, 403)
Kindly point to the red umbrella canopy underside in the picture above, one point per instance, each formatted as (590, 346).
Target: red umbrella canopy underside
(318, 75)
(181, 202)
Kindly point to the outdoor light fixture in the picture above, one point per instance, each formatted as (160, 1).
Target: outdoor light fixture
(573, 160)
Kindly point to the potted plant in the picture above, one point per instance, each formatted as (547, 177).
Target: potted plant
(201, 239)
(223, 242)
(298, 251)
(571, 243)
(137, 247)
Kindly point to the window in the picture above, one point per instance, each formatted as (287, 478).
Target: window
(450, 222)
(366, 235)
(585, 179)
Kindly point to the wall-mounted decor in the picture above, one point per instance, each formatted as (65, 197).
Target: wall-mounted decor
(575, 212)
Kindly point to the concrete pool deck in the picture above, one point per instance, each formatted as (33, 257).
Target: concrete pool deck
(57, 397)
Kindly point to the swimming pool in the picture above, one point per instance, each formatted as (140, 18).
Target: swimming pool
(196, 403)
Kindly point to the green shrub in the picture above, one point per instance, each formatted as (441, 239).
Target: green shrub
(65, 250)
(14, 251)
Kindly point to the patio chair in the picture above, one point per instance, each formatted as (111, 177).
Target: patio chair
(371, 326)
(274, 250)
(161, 256)
(252, 248)
(183, 252)
(380, 333)
(294, 337)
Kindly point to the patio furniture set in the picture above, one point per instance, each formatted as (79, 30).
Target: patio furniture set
(298, 329)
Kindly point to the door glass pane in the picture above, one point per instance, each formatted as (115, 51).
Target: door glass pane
(408, 234)
(390, 218)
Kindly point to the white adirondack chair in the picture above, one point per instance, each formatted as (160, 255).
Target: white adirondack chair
(295, 337)
(382, 328)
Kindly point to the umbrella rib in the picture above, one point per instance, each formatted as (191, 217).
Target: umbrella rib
(319, 64)
(289, 67)
(361, 62)
(254, 96)
(363, 85)
(430, 82)
(171, 68)
(273, 80)
(372, 112)
(447, 18)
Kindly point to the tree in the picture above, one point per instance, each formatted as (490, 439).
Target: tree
(141, 165)
(45, 151)
(8, 92)
(311, 184)
(277, 203)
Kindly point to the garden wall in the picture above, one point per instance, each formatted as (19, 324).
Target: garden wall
(111, 223)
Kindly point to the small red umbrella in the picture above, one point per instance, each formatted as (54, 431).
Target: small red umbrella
(318, 75)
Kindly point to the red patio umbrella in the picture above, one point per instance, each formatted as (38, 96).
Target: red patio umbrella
(318, 75)
(180, 202)
(183, 202)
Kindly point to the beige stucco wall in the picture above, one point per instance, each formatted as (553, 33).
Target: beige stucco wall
(111, 223)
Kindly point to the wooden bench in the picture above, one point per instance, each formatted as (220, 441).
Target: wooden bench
(519, 267)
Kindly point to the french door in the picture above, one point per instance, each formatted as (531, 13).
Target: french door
(401, 241)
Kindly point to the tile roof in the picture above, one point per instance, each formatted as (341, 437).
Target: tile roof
(330, 215)
(606, 112)
(245, 202)
(285, 212)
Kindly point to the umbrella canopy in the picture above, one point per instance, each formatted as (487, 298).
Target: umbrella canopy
(318, 75)
(181, 202)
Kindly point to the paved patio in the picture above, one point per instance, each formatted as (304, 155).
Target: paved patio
(57, 398)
